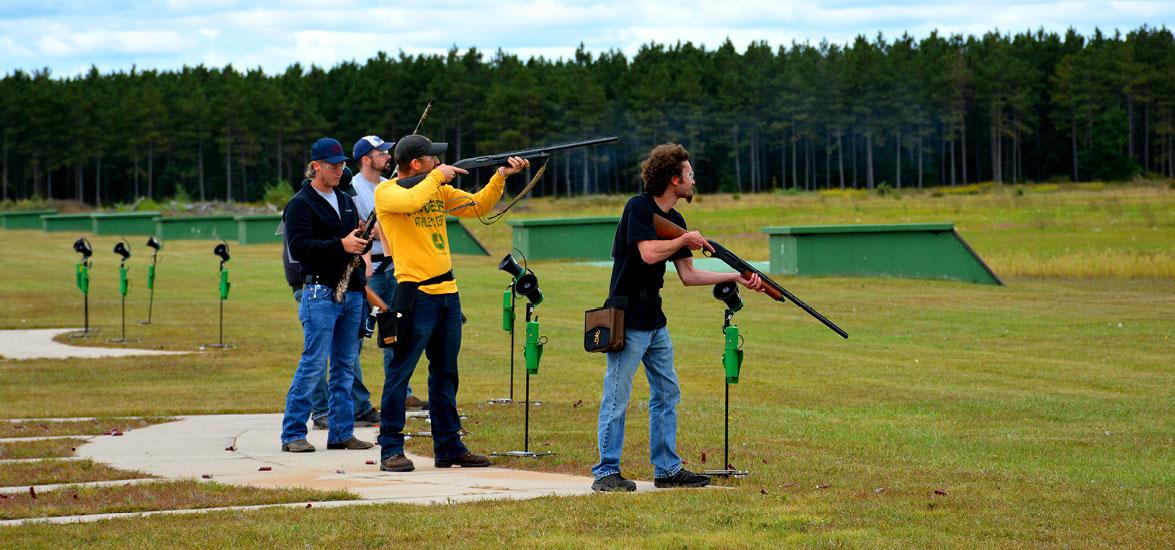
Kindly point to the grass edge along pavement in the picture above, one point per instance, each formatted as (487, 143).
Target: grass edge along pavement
(1038, 408)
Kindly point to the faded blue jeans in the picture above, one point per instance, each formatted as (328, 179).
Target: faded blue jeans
(654, 348)
(329, 330)
(436, 333)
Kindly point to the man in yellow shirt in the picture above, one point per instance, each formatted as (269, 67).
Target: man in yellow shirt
(412, 224)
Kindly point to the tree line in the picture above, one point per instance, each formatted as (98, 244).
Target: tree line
(944, 110)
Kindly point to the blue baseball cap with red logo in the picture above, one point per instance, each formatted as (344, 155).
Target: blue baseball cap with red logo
(327, 149)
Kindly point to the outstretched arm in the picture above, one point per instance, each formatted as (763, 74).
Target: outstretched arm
(691, 276)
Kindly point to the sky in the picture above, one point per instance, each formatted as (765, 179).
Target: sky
(68, 37)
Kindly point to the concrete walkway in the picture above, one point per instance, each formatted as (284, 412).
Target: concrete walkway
(199, 446)
(39, 344)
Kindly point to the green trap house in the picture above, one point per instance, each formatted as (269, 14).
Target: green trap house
(214, 228)
(124, 223)
(27, 219)
(565, 238)
(461, 241)
(917, 250)
(67, 222)
(258, 228)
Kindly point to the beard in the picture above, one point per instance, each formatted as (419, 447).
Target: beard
(387, 170)
(689, 196)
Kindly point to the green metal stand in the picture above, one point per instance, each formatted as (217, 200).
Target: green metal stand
(508, 326)
(225, 285)
(732, 361)
(532, 353)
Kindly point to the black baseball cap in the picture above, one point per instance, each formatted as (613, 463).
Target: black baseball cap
(414, 146)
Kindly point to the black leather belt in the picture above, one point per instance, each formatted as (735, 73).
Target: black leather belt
(317, 280)
(377, 258)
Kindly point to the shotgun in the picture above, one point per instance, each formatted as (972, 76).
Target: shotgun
(501, 159)
(666, 229)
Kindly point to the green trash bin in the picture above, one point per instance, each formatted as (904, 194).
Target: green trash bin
(67, 222)
(25, 219)
(258, 228)
(214, 228)
(565, 238)
(124, 223)
(916, 250)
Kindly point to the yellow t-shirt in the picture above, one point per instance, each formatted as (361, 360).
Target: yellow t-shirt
(413, 220)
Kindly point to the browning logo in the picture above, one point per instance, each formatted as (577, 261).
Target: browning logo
(596, 338)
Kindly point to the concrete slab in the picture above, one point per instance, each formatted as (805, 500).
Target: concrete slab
(233, 449)
(39, 344)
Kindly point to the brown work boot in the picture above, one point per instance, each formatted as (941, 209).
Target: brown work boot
(415, 403)
(467, 460)
(298, 446)
(353, 444)
(398, 463)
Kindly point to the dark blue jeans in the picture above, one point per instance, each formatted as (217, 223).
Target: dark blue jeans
(436, 333)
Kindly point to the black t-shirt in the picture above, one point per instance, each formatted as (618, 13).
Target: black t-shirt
(632, 278)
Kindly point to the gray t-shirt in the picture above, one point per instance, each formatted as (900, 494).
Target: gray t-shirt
(330, 198)
(365, 202)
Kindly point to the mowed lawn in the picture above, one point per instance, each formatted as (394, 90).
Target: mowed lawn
(1040, 413)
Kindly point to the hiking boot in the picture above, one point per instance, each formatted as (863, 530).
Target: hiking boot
(416, 403)
(467, 460)
(353, 444)
(367, 419)
(320, 423)
(298, 446)
(398, 463)
(683, 478)
(613, 482)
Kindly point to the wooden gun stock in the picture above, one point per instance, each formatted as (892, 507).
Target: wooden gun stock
(374, 299)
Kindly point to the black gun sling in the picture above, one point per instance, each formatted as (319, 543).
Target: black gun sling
(394, 325)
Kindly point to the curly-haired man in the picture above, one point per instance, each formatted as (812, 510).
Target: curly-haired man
(638, 273)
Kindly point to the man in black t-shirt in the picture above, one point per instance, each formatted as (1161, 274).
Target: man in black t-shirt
(638, 273)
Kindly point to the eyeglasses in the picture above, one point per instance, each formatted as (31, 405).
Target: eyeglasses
(332, 165)
(689, 175)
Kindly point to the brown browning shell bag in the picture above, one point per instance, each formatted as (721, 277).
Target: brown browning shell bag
(603, 328)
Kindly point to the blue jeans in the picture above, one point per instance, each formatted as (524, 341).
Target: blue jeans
(654, 348)
(384, 285)
(435, 332)
(329, 330)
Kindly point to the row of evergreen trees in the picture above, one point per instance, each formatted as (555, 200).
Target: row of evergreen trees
(944, 110)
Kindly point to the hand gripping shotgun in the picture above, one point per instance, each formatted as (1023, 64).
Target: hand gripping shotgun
(365, 233)
(666, 229)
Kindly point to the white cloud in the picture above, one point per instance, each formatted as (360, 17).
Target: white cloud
(274, 34)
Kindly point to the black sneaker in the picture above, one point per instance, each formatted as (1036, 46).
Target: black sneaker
(613, 482)
(367, 419)
(467, 460)
(683, 478)
(321, 424)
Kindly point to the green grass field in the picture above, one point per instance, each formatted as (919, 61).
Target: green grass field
(1035, 414)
